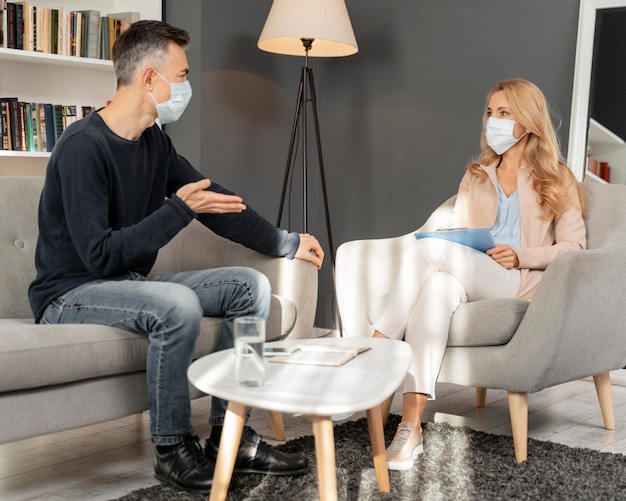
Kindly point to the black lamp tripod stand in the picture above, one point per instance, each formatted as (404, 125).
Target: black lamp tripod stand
(306, 94)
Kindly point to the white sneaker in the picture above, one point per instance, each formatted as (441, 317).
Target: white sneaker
(405, 447)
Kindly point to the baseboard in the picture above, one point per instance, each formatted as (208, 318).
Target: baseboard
(618, 377)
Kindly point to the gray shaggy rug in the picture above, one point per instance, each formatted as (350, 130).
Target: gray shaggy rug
(458, 464)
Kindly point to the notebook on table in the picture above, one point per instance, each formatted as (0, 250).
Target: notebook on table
(476, 238)
(320, 355)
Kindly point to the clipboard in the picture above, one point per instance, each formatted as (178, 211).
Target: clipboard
(476, 238)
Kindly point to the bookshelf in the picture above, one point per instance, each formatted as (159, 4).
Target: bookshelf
(606, 146)
(38, 77)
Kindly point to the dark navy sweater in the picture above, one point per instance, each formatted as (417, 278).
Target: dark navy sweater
(108, 205)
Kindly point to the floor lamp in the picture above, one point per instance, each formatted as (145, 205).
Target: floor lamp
(309, 28)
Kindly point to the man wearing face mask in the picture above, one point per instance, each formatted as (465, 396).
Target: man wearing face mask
(116, 192)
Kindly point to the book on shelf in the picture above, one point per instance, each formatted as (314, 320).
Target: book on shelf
(104, 40)
(12, 112)
(5, 128)
(49, 126)
(54, 31)
(69, 115)
(76, 24)
(25, 27)
(41, 127)
(22, 126)
(19, 25)
(320, 355)
(57, 121)
(3, 23)
(28, 127)
(11, 25)
(45, 40)
(91, 33)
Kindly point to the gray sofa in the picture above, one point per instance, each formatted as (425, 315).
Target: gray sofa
(57, 377)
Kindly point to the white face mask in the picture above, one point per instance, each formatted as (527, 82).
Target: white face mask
(172, 109)
(499, 134)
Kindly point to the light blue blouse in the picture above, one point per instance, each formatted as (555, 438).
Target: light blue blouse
(506, 229)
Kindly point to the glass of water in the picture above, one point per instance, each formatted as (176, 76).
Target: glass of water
(249, 359)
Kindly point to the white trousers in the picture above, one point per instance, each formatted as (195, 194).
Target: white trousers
(434, 278)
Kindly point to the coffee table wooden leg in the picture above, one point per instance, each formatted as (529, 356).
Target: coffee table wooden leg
(377, 438)
(229, 444)
(325, 457)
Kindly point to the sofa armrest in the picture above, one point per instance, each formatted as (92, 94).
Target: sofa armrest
(197, 248)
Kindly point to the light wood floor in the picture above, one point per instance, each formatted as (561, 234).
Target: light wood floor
(108, 460)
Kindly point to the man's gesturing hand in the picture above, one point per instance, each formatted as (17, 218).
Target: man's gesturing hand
(209, 202)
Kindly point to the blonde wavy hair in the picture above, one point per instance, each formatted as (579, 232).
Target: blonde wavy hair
(552, 178)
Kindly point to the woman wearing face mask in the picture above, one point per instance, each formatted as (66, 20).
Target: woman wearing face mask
(520, 188)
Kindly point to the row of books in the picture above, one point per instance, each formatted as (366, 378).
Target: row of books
(81, 33)
(600, 169)
(35, 127)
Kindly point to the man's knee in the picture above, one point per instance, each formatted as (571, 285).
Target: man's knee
(181, 310)
(257, 290)
(262, 285)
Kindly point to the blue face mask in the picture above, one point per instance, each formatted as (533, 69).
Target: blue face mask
(499, 134)
(172, 109)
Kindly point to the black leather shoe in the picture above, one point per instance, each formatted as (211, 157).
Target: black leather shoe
(185, 467)
(256, 456)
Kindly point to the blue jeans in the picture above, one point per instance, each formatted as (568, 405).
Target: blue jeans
(168, 310)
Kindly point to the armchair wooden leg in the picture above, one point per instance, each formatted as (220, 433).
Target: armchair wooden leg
(481, 397)
(276, 421)
(605, 397)
(518, 408)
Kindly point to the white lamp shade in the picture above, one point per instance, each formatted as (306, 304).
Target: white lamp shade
(325, 21)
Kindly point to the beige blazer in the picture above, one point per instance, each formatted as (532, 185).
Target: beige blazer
(476, 206)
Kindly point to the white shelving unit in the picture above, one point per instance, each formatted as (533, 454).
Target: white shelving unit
(605, 146)
(38, 77)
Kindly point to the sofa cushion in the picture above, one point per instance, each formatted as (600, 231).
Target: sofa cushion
(486, 323)
(33, 356)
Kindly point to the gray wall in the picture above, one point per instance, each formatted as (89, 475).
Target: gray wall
(399, 120)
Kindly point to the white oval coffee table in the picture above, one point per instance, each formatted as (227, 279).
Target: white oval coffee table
(363, 383)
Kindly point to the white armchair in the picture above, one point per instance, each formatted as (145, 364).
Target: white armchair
(573, 328)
